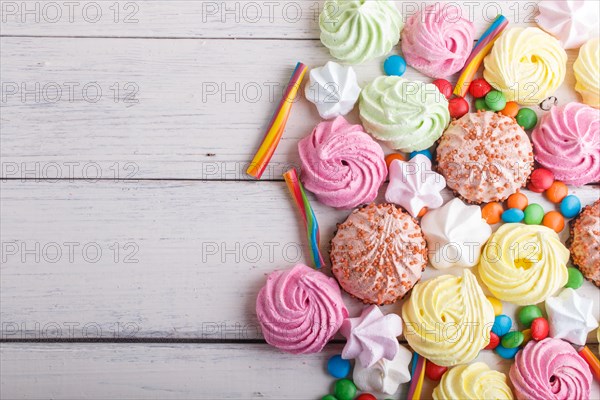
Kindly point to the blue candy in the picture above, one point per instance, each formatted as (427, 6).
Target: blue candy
(513, 215)
(425, 152)
(394, 65)
(338, 367)
(506, 353)
(570, 206)
(502, 324)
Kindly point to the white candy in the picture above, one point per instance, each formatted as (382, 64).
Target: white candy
(333, 89)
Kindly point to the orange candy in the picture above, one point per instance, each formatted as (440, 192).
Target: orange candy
(422, 212)
(511, 109)
(492, 212)
(517, 200)
(554, 220)
(394, 156)
(557, 192)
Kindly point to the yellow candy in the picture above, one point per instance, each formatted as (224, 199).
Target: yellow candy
(497, 304)
(587, 73)
(447, 319)
(526, 64)
(526, 336)
(524, 264)
(475, 381)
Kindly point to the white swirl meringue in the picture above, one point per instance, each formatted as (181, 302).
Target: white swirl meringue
(333, 88)
(455, 234)
(570, 316)
(572, 22)
(384, 376)
(372, 336)
(414, 185)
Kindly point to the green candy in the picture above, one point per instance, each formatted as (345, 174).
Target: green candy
(512, 339)
(495, 100)
(329, 397)
(534, 214)
(344, 389)
(480, 105)
(526, 118)
(575, 278)
(527, 314)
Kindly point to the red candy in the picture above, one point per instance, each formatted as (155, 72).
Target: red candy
(494, 342)
(444, 86)
(458, 107)
(366, 396)
(541, 179)
(434, 371)
(479, 88)
(539, 328)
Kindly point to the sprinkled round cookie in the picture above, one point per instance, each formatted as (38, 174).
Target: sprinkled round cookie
(485, 157)
(378, 254)
(585, 242)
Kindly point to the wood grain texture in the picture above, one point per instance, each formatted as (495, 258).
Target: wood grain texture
(198, 112)
(198, 254)
(176, 371)
(289, 19)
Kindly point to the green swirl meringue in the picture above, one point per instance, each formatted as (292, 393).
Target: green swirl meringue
(355, 31)
(407, 115)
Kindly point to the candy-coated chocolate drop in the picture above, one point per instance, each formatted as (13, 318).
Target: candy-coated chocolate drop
(444, 87)
(495, 100)
(557, 192)
(345, 389)
(502, 324)
(511, 109)
(517, 200)
(366, 396)
(512, 339)
(422, 212)
(575, 278)
(426, 153)
(513, 215)
(394, 66)
(394, 156)
(434, 371)
(528, 313)
(458, 107)
(534, 214)
(481, 106)
(554, 220)
(526, 118)
(542, 178)
(570, 206)
(494, 342)
(497, 304)
(534, 188)
(338, 367)
(506, 353)
(540, 329)
(526, 336)
(492, 212)
(479, 88)
(329, 397)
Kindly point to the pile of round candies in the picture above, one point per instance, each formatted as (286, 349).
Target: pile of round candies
(506, 343)
(344, 388)
(519, 209)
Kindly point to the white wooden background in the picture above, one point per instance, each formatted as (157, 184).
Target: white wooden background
(133, 245)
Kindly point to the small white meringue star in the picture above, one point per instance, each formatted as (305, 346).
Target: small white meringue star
(570, 316)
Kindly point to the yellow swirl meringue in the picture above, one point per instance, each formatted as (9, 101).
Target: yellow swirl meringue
(587, 72)
(448, 319)
(524, 264)
(526, 64)
(475, 381)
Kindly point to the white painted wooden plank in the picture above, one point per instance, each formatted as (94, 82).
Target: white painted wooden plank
(191, 257)
(294, 19)
(176, 371)
(140, 108)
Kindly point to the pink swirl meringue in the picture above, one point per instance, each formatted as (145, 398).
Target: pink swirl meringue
(567, 142)
(437, 41)
(414, 185)
(372, 336)
(300, 310)
(341, 164)
(550, 370)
